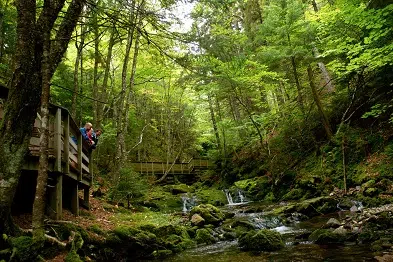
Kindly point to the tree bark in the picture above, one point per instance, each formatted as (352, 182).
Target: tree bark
(95, 70)
(214, 122)
(42, 178)
(298, 86)
(120, 137)
(318, 102)
(25, 92)
(104, 93)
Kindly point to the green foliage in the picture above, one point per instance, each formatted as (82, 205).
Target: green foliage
(131, 185)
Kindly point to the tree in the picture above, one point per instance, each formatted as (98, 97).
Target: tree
(26, 88)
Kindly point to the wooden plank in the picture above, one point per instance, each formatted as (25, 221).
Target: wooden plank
(67, 142)
(79, 152)
(75, 146)
(57, 140)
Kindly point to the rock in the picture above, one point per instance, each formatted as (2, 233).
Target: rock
(161, 253)
(341, 231)
(212, 196)
(211, 214)
(197, 220)
(354, 209)
(316, 206)
(384, 258)
(294, 194)
(179, 189)
(333, 223)
(325, 236)
(204, 236)
(262, 240)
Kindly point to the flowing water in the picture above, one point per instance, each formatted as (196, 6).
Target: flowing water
(295, 250)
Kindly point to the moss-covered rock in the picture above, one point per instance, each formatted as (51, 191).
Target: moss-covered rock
(372, 191)
(73, 257)
(255, 188)
(179, 189)
(326, 236)
(294, 194)
(211, 214)
(211, 196)
(204, 236)
(197, 220)
(262, 240)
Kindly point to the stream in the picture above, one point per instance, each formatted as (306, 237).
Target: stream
(294, 250)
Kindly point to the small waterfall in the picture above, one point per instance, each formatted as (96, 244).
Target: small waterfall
(241, 197)
(184, 199)
(188, 203)
(229, 197)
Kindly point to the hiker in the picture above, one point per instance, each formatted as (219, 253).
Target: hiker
(85, 134)
(95, 136)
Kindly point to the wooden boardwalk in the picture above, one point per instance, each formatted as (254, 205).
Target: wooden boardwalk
(159, 168)
(68, 161)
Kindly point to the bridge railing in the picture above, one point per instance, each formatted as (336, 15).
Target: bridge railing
(68, 156)
(151, 167)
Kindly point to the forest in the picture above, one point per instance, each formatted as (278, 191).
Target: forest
(231, 130)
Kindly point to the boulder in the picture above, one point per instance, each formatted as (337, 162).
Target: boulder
(262, 240)
(333, 223)
(179, 189)
(197, 220)
(325, 236)
(340, 231)
(204, 236)
(211, 214)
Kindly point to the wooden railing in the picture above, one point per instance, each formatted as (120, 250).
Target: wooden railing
(150, 167)
(69, 157)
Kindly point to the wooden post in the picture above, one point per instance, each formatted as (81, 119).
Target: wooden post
(67, 143)
(80, 148)
(90, 166)
(86, 196)
(57, 140)
(163, 170)
(75, 199)
(55, 195)
(152, 168)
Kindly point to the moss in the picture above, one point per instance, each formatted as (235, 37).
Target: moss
(326, 236)
(204, 236)
(96, 229)
(372, 191)
(294, 194)
(212, 196)
(72, 257)
(255, 188)
(270, 197)
(158, 254)
(262, 240)
(24, 248)
(210, 213)
(179, 189)
(65, 230)
(124, 232)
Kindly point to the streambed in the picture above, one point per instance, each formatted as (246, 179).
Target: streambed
(296, 249)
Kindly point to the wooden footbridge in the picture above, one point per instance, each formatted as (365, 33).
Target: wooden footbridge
(69, 171)
(190, 167)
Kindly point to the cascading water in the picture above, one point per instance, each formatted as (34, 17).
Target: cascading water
(229, 197)
(188, 203)
(241, 197)
(238, 199)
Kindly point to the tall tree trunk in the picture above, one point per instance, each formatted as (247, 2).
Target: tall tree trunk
(214, 122)
(19, 112)
(25, 92)
(78, 62)
(42, 178)
(318, 102)
(298, 86)
(95, 90)
(104, 93)
(120, 138)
